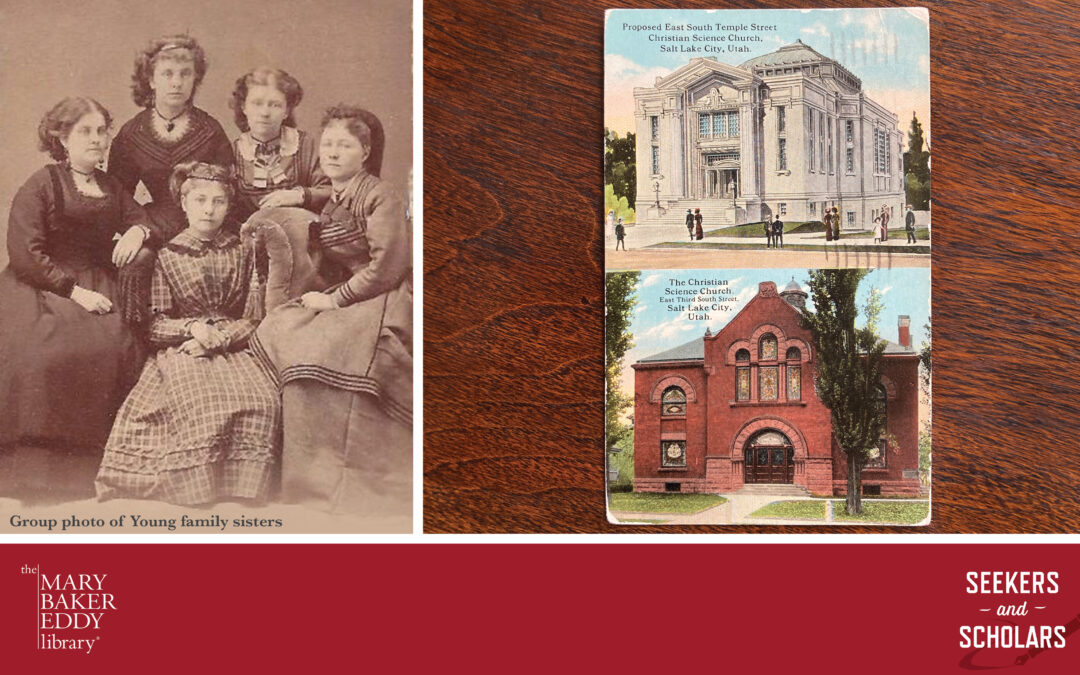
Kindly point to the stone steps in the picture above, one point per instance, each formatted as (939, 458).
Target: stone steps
(774, 490)
(714, 215)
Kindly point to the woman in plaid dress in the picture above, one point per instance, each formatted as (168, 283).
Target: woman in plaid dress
(202, 422)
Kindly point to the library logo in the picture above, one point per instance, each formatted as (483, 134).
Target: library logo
(71, 608)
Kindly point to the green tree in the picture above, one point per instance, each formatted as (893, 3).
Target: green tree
(925, 446)
(924, 361)
(620, 166)
(617, 204)
(848, 370)
(872, 309)
(917, 168)
(624, 462)
(621, 297)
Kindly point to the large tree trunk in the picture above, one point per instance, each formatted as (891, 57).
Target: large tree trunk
(854, 484)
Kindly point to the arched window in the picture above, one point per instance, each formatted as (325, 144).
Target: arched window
(673, 402)
(794, 374)
(768, 376)
(878, 456)
(742, 375)
(767, 348)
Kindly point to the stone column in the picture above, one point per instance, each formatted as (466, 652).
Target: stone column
(677, 169)
(748, 159)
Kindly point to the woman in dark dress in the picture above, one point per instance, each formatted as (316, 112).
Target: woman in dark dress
(66, 358)
(170, 130)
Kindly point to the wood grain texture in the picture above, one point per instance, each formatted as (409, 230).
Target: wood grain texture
(513, 304)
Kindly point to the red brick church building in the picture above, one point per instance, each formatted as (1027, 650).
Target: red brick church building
(739, 407)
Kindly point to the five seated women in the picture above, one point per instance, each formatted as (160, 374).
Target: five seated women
(95, 280)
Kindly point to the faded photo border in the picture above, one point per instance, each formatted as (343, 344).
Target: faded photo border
(341, 51)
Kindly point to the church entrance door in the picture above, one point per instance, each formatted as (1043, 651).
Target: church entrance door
(769, 458)
(721, 184)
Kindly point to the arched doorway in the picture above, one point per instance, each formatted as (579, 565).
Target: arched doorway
(769, 457)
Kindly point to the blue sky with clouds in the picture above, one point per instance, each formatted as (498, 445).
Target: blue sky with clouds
(887, 48)
(656, 329)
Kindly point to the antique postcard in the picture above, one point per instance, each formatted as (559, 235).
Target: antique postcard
(767, 238)
(206, 289)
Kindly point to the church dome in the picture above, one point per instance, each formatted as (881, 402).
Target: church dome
(797, 52)
(793, 287)
(794, 295)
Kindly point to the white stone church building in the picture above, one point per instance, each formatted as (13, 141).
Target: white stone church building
(789, 133)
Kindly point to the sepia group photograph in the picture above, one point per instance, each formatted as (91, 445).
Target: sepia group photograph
(206, 295)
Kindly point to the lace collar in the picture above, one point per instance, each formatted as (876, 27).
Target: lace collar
(188, 242)
(288, 144)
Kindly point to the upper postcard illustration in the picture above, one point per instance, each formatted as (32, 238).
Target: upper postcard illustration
(767, 138)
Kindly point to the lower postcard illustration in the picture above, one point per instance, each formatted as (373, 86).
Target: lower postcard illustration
(769, 396)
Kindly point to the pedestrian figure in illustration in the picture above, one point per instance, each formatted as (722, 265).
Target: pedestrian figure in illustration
(611, 219)
(690, 224)
(828, 225)
(909, 225)
(881, 223)
(697, 224)
(884, 222)
(620, 235)
(768, 233)
(778, 232)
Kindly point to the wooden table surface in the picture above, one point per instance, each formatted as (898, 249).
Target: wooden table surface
(513, 286)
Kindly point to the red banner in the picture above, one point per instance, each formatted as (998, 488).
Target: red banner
(839, 608)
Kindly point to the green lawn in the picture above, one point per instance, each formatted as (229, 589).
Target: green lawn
(757, 229)
(754, 230)
(794, 510)
(868, 247)
(662, 502)
(921, 234)
(884, 512)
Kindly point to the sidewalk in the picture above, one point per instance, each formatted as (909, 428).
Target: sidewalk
(752, 252)
(644, 236)
(737, 510)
